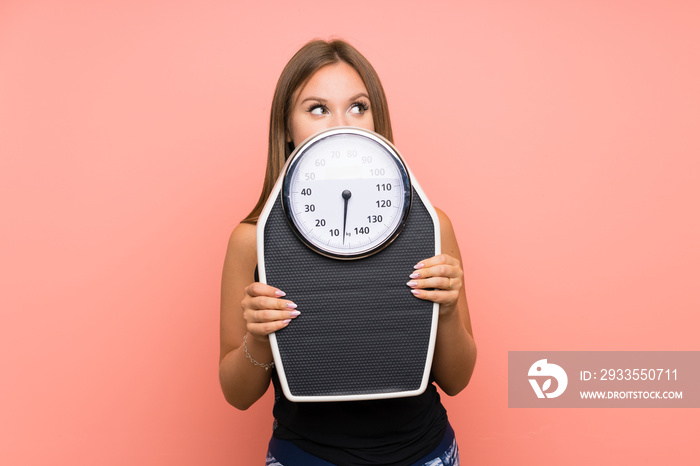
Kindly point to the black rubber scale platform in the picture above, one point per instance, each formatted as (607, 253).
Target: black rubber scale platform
(361, 331)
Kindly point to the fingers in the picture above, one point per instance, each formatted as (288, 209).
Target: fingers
(438, 279)
(265, 311)
(441, 271)
(442, 283)
(262, 289)
(266, 328)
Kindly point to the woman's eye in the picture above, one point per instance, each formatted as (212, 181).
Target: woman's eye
(318, 110)
(359, 108)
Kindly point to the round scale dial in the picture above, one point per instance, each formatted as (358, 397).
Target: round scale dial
(346, 192)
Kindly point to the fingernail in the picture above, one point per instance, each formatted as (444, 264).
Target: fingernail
(415, 292)
(280, 293)
(291, 305)
(294, 313)
(411, 283)
(286, 321)
(415, 275)
(419, 266)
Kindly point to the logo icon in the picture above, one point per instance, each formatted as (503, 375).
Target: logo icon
(544, 369)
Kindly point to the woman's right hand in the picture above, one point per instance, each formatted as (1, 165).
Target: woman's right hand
(265, 311)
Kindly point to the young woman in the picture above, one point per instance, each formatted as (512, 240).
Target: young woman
(328, 84)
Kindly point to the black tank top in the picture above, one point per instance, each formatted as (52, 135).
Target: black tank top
(395, 431)
(388, 432)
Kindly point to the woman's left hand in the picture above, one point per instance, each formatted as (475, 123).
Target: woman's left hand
(438, 279)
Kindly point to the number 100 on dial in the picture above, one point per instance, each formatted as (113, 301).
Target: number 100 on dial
(346, 192)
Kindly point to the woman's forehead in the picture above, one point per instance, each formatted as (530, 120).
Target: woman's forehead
(336, 80)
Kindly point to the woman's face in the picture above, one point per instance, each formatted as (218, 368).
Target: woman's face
(334, 96)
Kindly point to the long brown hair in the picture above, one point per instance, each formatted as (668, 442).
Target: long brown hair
(309, 59)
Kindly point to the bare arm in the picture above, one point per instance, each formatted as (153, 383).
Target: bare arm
(248, 308)
(455, 349)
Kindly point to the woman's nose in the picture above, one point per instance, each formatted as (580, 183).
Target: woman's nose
(340, 119)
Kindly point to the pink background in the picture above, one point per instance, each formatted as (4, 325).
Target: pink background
(560, 137)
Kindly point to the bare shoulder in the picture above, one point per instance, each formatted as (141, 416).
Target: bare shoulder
(444, 219)
(244, 233)
(242, 244)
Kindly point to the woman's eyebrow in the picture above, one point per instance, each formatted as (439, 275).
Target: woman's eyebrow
(361, 94)
(323, 101)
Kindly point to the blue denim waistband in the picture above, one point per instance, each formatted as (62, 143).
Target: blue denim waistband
(286, 453)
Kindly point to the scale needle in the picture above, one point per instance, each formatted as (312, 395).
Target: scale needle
(346, 196)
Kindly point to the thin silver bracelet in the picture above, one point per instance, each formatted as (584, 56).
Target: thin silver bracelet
(267, 367)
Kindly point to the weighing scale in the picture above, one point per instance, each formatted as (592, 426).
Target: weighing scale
(340, 234)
